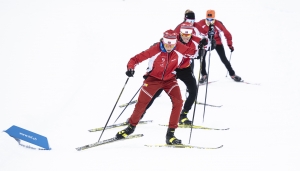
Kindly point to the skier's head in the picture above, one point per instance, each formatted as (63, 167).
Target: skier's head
(189, 16)
(210, 17)
(186, 30)
(169, 40)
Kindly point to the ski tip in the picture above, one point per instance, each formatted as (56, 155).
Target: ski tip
(95, 130)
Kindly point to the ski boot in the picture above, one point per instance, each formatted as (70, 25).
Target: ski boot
(183, 120)
(236, 78)
(124, 133)
(171, 139)
(203, 79)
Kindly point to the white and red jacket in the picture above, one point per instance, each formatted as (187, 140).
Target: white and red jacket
(193, 43)
(162, 64)
(197, 32)
(219, 28)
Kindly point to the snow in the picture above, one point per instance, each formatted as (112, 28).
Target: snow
(62, 68)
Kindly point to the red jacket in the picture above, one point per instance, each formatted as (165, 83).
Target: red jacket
(162, 64)
(193, 43)
(219, 27)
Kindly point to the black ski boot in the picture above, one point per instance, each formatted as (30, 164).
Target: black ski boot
(183, 120)
(236, 78)
(171, 139)
(124, 133)
(203, 79)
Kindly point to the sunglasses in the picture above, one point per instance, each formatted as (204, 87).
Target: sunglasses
(190, 21)
(186, 32)
(185, 35)
(210, 19)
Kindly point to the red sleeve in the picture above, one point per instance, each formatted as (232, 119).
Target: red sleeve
(143, 56)
(225, 31)
(196, 39)
(185, 50)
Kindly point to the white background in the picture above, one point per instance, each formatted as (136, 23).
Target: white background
(62, 68)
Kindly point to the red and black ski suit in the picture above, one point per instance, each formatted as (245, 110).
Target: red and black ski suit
(162, 75)
(219, 28)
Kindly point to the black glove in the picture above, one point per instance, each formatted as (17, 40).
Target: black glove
(231, 48)
(211, 31)
(202, 43)
(130, 72)
(146, 75)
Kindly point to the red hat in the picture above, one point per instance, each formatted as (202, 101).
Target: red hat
(186, 28)
(170, 37)
(170, 34)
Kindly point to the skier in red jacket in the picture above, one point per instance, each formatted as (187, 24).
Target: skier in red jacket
(164, 57)
(216, 27)
(185, 71)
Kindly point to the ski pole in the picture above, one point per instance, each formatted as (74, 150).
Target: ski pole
(201, 58)
(113, 109)
(206, 84)
(229, 61)
(128, 104)
(211, 37)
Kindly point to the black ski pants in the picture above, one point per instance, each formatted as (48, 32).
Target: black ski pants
(221, 52)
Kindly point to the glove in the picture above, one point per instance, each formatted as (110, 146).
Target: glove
(146, 75)
(202, 43)
(231, 48)
(211, 31)
(130, 72)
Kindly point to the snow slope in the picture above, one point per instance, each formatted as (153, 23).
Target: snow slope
(62, 68)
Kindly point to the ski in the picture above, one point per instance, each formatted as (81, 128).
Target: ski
(130, 103)
(183, 146)
(196, 127)
(209, 82)
(117, 125)
(209, 104)
(107, 141)
(242, 81)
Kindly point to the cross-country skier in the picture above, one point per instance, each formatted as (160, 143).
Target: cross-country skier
(216, 27)
(164, 57)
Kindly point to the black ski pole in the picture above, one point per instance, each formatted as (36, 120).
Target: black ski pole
(229, 61)
(113, 109)
(210, 38)
(201, 54)
(128, 104)
(206, 83)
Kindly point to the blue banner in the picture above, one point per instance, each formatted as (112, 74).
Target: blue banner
(28, 136)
